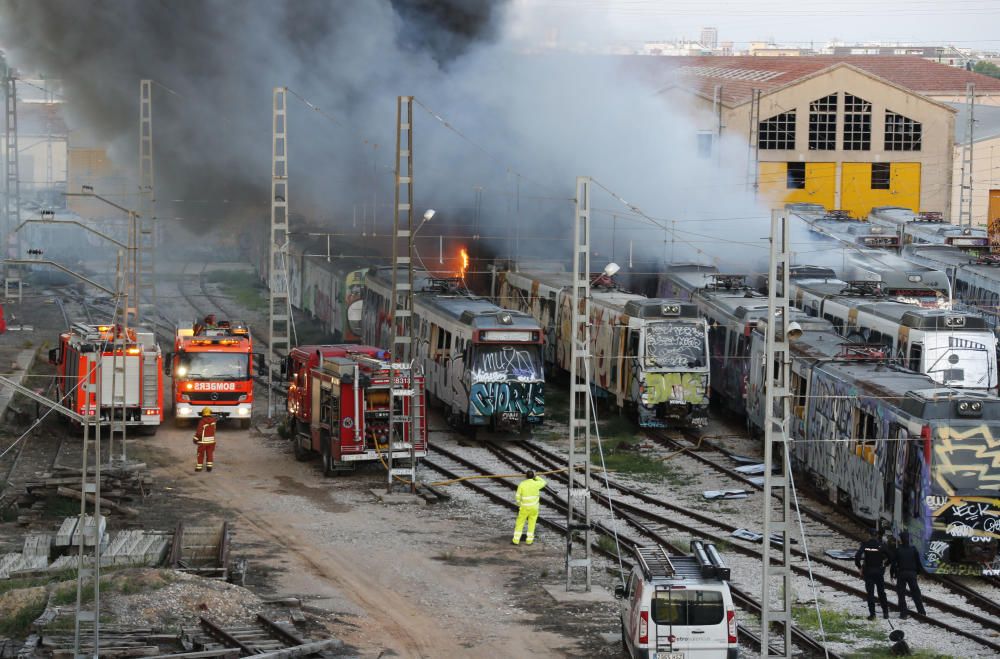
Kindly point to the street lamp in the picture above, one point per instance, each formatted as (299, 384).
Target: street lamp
(428, 214)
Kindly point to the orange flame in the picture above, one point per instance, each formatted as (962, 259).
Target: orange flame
(464, 257)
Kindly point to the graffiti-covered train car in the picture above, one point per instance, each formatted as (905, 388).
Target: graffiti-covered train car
(731, 310)
(329, 290)
(892, 445)
(650, 355)
(483, 363)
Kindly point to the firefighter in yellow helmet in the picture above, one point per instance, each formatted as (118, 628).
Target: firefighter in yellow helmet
(528, 498)
(204, 438)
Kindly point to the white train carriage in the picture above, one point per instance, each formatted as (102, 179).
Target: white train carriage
(891, 445)
(838, 225)
(955, 348)
(974, 279)
(483, 363)
(899, 279)
(650, 355)
(928, 229)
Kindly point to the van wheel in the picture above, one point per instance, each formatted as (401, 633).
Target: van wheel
(324, 443)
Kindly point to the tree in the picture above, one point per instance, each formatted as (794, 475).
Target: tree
(987, 68)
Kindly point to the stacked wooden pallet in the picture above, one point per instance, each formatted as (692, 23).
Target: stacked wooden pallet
(119, 487)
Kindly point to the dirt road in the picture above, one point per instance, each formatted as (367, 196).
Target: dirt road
(411, 580)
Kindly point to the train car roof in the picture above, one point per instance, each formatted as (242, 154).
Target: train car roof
(464, 307)
(946, 255)
(892, 214)
(611, 297)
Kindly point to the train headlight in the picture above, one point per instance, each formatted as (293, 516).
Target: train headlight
(969, 408)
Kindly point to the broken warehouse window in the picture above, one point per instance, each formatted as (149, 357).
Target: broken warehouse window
(901, 133)
(823, 124)
(796, 177)
(857, 124)
(778, 132)
(880, 176)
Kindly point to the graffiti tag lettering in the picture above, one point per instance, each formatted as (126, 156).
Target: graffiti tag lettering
(489, 398)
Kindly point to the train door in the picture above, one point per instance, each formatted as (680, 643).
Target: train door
(892, 473)
(548, 322)
(915, 360)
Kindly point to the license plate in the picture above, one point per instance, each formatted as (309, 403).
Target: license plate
(669, 655)
(510, 417)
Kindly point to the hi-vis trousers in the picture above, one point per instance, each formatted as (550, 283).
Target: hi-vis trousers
(529, 513)
(206, 451)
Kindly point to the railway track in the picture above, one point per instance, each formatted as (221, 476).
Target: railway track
(694, 446)
(657, 519)
(499, 491)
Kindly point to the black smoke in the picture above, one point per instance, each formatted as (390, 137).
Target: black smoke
(214, 64)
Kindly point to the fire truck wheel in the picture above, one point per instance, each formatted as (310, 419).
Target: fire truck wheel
(324, 443)
(181, 423)
(245, 424)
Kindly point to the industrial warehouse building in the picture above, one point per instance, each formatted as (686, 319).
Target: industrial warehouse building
(845, 132)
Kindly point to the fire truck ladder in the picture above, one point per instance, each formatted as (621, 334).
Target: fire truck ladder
(405, 425)
(12, 192)
(146, 287)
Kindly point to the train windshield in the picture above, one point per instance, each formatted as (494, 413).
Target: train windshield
(675, 345)
(962, 466)
(213, 366)
(506, 363)
(961, 359)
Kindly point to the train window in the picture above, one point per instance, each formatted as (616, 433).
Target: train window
(916, 354)
(874, 336)
(799, 389)
(865, 432)
(633, 343)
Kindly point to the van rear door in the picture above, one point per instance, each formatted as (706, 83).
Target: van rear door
(689, 622)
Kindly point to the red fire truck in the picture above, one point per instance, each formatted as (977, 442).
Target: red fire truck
(90, 374)
(339, 400)
(212, 367)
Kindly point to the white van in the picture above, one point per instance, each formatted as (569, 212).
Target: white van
(678, 607)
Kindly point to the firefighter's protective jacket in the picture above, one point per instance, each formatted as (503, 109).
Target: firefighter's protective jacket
(528, 492)
(205, 432)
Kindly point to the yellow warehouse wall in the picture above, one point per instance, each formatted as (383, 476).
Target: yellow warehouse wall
(858, 198)
(820, 187)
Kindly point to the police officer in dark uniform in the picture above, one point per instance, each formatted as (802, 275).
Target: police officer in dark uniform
(871, 559)
(904, 569)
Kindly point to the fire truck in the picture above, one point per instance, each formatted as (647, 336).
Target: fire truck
(339, 402)
(212, 367)
(112, 368)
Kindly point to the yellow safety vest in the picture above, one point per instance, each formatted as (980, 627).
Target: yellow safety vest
(528, 492)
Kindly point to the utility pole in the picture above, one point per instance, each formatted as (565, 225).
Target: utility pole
(402, 292)
(578, 493)
(753, 145)
(965, 197)
(12, 189)
(146, 268)
(279, 315)
(777, 575)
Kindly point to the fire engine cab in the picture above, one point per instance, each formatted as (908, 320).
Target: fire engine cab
(211, 367)
(118, 370)
(339, 402)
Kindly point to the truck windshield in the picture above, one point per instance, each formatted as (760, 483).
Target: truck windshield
(505, 363)
(213, 366)
(675, 345)
(688, 607)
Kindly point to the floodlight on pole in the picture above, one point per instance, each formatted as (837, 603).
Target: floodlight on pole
(611, 269)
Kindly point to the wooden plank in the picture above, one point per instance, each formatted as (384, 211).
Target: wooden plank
(75, 494)
(289, 637)
(222, 653)
(301, 650)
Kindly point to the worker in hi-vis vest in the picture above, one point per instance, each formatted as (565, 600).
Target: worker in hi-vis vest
(528, 498)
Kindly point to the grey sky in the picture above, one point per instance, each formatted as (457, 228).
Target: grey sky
(960, 22)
